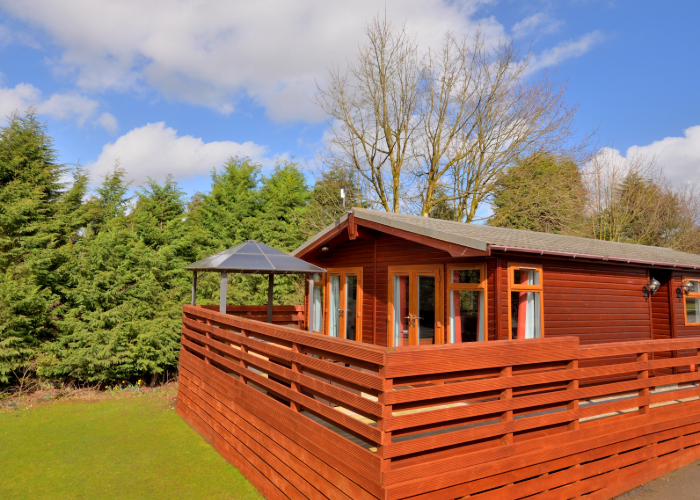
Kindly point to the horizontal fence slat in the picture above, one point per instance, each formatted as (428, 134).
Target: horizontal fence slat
(539, 418)
(340, 419)
(353, 461)
(627, 348)
(498, 383)
(356, 377)
(457, 357)
(348, 348)
(335, 393)
(445, 473)
(491, 407)
(496, 429)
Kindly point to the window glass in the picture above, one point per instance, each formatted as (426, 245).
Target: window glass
(334, 310)
(350, 307)
(318, 309)
(692, 310)
(525, 315)
(696, 286)
(401, 312)
(426, 310)
(466, 276)
(524, 276)
(466, 316)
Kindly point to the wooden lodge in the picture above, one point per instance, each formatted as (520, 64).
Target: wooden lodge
(406, 280)
(440, 360)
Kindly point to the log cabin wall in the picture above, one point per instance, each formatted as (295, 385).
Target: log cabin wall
(391, 251)
(595, 301)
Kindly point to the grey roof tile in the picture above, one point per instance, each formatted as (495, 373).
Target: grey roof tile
(478, 236)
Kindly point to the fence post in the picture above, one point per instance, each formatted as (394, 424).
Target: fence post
(385, 435)
(296, 368)
(643, 375)
(573, 386)
(507, 416)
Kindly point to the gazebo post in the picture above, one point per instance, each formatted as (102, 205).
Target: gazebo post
(222, 292)
(194, 288)
(270, 287)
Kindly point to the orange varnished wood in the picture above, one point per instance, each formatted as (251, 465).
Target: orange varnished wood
(550, 418)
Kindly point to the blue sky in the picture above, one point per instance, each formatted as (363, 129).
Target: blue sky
(180, 86)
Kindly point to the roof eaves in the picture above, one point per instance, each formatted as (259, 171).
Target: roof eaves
(318, 235)
(574, 255)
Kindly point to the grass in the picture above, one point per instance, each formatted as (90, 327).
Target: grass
(119, 448)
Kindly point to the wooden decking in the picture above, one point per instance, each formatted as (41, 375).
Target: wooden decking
(307, 416)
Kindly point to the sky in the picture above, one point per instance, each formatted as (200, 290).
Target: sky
(177, 87)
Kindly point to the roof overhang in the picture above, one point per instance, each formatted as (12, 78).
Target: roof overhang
(574, 255)
(345, 228)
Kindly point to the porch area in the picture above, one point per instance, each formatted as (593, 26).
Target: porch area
(305, 415)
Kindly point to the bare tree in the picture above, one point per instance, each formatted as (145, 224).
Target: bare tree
(438, 129)
(373, 112)
(480, 115)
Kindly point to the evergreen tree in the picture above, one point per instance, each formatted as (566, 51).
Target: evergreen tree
(541, 193)
(325, 205)
(124, 289)
(234, 198)
(30, 203)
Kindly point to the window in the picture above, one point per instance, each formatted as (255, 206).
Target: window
(415, 305)
(525, 301)
(318, 300)
(345, 301)
(692, 303)
(466, 295)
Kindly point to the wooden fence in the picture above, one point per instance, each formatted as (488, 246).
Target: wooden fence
(281, 315)
(307, 416)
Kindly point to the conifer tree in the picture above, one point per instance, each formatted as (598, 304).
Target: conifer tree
(30, 194)
(541, 193)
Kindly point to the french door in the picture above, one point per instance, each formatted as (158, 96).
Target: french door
(345, 303)
(415, 305)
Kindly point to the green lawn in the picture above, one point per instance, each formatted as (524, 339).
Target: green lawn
(126, 447)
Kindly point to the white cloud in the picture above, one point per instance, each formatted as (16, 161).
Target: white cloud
(155, 151)
(566, 50)
(536, 24)
(18, 98)
(679, 156)
(108, 122)
(211, 52)
(62, 106)
(70, 106)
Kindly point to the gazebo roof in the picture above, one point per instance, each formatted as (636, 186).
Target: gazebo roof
(253, 257)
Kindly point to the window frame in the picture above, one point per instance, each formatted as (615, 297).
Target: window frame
(343, 272)
(513, 287)
(691, 295)
(479, 287)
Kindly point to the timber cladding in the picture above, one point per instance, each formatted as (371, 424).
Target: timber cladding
(595, 301)
(302, 415)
